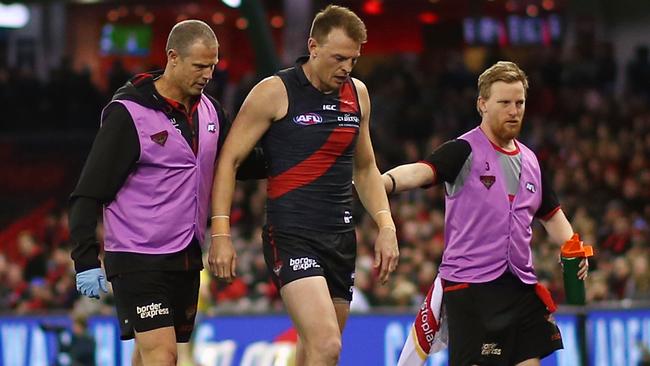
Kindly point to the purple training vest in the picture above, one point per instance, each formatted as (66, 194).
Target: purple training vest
(484, 233)
(164, 201)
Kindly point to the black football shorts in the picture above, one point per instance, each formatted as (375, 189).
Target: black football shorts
(292, 254)
(501, 322)
(156, 299)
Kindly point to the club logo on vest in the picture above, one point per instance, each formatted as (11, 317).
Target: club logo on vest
(160, 138)
(307, 119)
(488, 180)
(530, 187)
(212, 128)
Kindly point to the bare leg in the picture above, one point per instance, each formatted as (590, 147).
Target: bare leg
(184, 354)
(157, 347)
(136, 357)
(319, 335)
(300, 353)
(342, 308)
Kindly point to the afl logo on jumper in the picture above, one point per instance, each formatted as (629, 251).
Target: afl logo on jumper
(307, 119)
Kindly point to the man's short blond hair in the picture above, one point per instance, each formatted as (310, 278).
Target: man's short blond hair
(334, 16)
(505, 71)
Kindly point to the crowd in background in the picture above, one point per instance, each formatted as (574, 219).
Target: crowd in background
(68, 99)
(591, 140)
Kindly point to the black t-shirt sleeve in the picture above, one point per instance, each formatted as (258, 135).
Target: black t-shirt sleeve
(112, 157)
(550, 203)
(114, 153)
(448, 159)
(83, 222)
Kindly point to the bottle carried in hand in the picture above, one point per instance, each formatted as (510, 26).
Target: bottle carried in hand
(572, 253)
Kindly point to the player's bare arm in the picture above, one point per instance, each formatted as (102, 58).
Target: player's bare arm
(266, 103)
(369, 186)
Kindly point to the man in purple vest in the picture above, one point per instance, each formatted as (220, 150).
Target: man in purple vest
(494, 189)
(151, 168)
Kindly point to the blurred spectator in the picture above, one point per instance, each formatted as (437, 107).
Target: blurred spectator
(117, 76)
(82, 345)
(39, 297)
(33, 257)
(75, 347)
(638, 71)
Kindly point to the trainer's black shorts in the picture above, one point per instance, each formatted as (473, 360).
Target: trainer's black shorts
(156, 299)
(292, 254)
(502, 322)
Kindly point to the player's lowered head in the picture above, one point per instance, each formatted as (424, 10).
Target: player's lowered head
(334, 46)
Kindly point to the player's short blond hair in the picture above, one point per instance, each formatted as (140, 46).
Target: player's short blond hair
(334, 16)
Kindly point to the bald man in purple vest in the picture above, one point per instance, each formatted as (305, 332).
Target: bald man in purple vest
(151, 168)
(496, 312)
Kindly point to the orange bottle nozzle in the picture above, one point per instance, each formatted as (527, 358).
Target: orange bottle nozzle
(574, 248)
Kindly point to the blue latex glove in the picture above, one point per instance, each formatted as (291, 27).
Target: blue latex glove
(89, 282)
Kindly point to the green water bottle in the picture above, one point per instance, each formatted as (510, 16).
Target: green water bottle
(572, 253)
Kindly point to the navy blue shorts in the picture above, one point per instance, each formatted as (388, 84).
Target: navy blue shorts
(291, 254)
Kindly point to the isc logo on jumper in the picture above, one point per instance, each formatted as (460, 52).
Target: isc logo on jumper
(307, 119)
